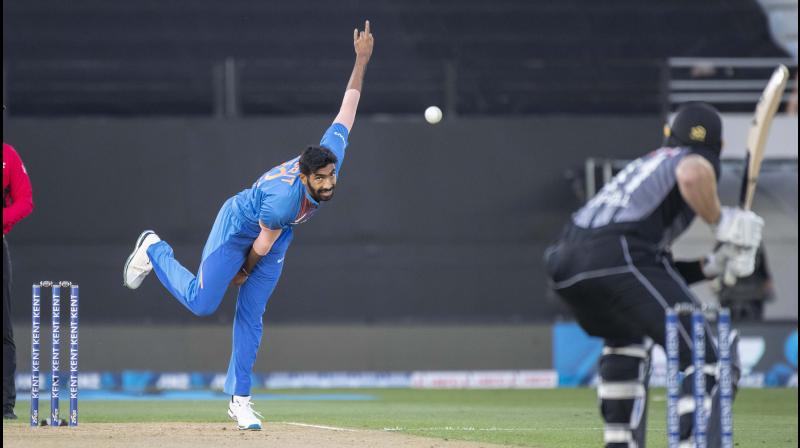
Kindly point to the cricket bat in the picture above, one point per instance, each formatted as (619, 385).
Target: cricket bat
(756, 144)
(759, 130)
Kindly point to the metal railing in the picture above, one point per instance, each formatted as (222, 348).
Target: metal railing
(731, 84)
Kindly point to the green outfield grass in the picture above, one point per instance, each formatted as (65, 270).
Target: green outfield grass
(536, 418)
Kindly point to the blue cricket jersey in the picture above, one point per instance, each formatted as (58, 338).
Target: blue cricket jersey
(279, 198)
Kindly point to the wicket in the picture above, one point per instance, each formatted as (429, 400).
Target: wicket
(698, 323)
(56, 350)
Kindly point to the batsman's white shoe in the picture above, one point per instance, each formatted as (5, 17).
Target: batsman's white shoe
(138, 264)
(241, 410)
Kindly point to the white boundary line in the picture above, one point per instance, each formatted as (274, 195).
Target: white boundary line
(445, 428)
(331, 428)
(472, 428)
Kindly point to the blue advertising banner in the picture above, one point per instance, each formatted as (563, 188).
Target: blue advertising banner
(768, 352)
(575, 354)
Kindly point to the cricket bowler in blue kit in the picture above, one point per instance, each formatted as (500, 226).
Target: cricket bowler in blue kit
(248, 242)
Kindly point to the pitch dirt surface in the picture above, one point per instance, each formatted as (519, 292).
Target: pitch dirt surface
(206, 435)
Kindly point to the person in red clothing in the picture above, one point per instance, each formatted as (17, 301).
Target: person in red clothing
(17, 204)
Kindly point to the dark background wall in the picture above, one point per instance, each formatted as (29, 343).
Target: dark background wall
(309, 347)
(430, 223)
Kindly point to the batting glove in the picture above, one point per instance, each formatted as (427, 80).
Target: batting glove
(739, 227)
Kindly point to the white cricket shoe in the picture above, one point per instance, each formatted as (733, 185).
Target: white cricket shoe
(138, 264)
(241, 410)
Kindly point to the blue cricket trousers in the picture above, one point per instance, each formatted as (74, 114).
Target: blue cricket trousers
(224, 254)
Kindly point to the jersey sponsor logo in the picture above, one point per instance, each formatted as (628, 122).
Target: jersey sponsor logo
(280, 260)
(339, 134)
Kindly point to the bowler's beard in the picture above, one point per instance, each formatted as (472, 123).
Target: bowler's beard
(322, 195)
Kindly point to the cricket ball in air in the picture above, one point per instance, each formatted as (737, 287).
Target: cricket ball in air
(433, 115)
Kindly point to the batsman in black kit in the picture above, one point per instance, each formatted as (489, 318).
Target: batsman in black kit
(613, 267)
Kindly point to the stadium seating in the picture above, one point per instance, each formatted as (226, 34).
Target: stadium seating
(477, 57)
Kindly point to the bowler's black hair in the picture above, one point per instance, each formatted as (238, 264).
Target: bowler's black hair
(314, 158)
